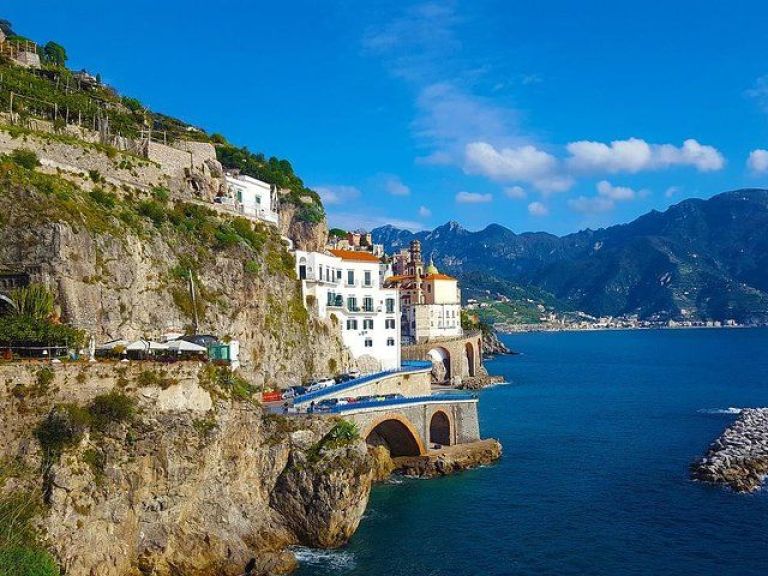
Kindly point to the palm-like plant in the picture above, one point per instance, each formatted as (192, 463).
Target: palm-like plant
(33, 301)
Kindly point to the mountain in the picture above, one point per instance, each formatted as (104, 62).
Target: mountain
(699, 259)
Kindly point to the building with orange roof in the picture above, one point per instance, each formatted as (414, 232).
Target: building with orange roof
(345, 286)
(430, 302)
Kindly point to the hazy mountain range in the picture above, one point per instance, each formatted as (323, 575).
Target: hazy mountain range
(699, 259)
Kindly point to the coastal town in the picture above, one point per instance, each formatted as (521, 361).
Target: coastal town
(210, 366)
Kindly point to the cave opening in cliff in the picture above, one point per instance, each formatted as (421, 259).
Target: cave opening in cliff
(396, 437)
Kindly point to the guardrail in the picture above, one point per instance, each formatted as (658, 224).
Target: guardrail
(433, 399)
(406, 367)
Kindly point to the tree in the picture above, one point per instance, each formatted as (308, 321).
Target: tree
(7, 27)
(55, 54)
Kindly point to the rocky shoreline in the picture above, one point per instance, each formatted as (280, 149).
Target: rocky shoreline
(739, 457)
(449, 460)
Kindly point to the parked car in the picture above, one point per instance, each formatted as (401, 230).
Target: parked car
(395, 395)
(294, 391)
(316, 385)
(341, 378)
(354, 373)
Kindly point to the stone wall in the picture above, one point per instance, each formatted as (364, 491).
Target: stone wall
(462, 364)
(79, 159)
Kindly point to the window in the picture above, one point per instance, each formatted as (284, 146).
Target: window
(367, 278)
(368, 343)
(338, 274)
(390, 305)
(352, 303)
(390, 341)
(351, 324)
(389, 323)
(368, 304)
(350, 277)
(320, 269)
(367, 324)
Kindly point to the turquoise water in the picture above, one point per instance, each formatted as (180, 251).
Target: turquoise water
(598, 431)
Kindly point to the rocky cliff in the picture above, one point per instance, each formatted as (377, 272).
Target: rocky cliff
(120, 262)
(188, 477)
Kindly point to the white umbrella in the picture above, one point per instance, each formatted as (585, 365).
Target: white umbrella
(184, 346)
(146, 346)
(112, 344)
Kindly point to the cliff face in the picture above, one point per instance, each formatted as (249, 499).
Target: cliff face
(309, 236)
(194, 483)
(120, 265)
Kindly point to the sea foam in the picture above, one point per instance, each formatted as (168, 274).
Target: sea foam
(336, 560)
(730, 410)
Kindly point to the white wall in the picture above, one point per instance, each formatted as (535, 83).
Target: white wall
(255, 197)
(324, 274)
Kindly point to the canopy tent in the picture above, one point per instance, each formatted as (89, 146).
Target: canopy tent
(146, 346)
(184, 346)
(112, 344)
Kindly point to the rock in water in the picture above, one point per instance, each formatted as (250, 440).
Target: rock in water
(739, 457)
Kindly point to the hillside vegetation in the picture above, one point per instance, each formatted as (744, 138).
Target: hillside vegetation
(59, 95)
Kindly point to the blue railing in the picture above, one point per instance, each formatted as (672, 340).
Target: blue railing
(407, 366)
(353, 406)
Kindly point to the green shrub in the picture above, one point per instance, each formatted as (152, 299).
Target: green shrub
(25, 158)
(20, 552)
(34, 300)
(27, 331)
(153, 210)
(62, 428)
(103, 198)
(44, 378)
(153, 378)
(108, 408)
(161, 194)
(252, 267)
(343, 432)
(27, 561)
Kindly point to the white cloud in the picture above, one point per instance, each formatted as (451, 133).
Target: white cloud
(758, 161)
(473, 198)
(538, 209)
(395, 186)
(759, 93)
(366, 221)
(593, 205)
(524, 163)
(424, 212)
(671, 191)
(635, 155)
(336, 194)
(608, 190)
(515, 192)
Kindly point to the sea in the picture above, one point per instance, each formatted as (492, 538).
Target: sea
(599, 429)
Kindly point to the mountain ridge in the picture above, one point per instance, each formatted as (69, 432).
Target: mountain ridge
(698, 259)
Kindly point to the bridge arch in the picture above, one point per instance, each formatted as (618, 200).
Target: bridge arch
(440, 428)
(439, 355)
(397, 434)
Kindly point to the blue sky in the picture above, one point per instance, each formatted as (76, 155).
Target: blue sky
(550, 116)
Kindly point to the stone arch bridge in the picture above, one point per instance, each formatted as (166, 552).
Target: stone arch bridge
(460, 356)
(413, 426)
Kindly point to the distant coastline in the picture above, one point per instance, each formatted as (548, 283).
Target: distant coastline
(502, 329)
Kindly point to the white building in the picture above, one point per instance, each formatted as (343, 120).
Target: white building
(345, 286)
(252, 197)
(430, 301)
